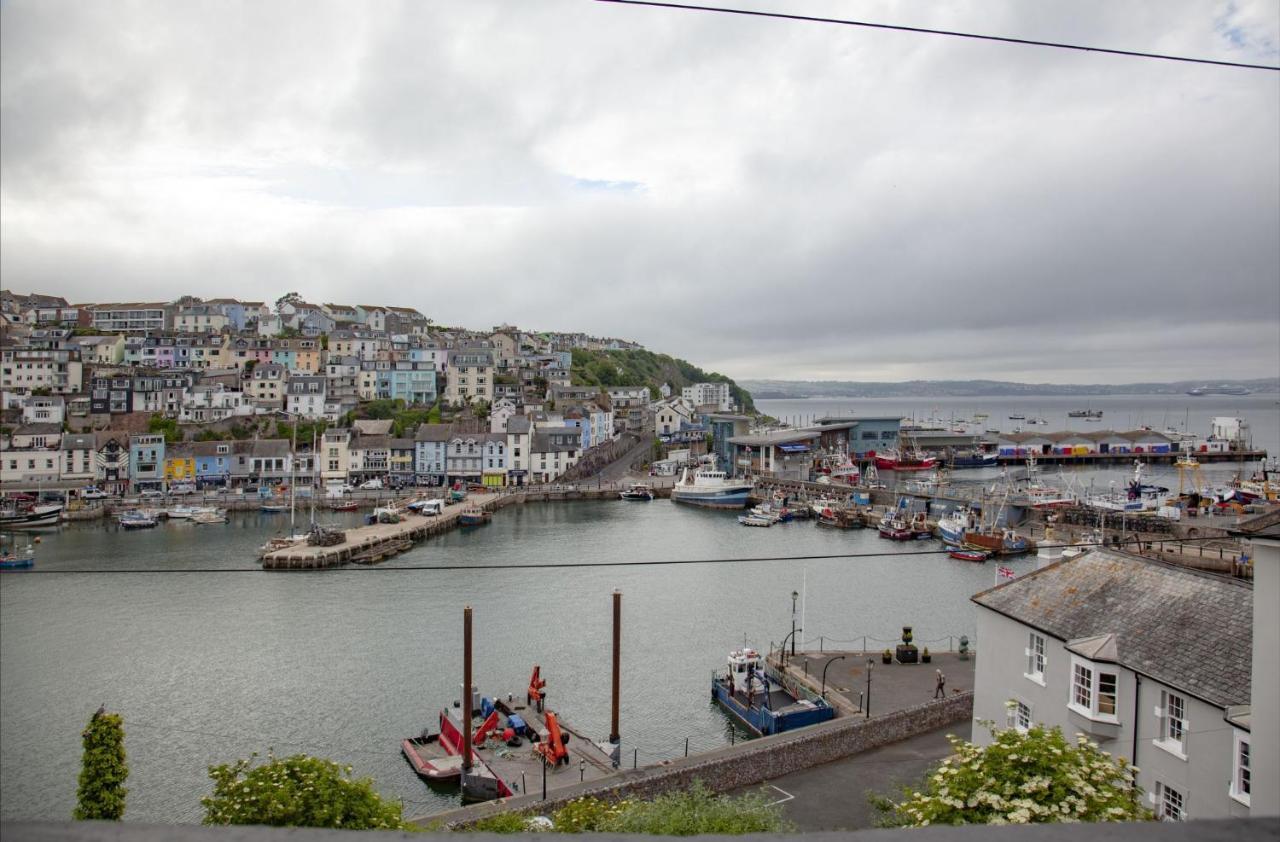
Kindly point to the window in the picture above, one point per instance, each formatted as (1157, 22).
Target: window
(1172, 713)
(1107, 694)
(1035, 658)
(1082, 686)
(1170, 803)
(1019, 716)
(1241, 776)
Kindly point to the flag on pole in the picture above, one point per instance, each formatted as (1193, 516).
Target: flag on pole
(1003, 572)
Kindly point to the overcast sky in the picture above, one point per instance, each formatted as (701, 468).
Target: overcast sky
(763, 197)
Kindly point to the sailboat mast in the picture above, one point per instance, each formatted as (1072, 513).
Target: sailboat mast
(315, 476)
(293, 475)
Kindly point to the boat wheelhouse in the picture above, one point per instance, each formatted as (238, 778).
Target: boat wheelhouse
(760, 703)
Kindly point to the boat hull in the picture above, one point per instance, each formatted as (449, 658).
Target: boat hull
(763, 721)
(36, 518)
(726, 499)
(886, 464)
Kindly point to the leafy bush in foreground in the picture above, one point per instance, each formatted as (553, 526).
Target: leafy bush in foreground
(297, 791)
(102, 769)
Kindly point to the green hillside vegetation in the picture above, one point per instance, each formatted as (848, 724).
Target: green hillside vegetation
(645, 368)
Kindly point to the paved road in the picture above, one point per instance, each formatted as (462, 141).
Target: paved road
(833, 796)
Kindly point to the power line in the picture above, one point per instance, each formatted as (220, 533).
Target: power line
(561, 565)
(953, 34)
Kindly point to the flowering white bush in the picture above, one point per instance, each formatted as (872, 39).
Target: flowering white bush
(1020, 778)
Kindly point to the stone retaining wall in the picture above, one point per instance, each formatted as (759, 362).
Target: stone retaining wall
(749, 763)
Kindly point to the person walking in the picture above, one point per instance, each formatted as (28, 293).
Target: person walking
(940, 686)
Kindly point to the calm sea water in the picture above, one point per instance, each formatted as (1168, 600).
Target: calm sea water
(209, 666)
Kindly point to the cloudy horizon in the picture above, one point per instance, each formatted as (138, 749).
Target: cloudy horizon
(765, 198)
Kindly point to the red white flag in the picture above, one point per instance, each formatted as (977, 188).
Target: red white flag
(1005, 573)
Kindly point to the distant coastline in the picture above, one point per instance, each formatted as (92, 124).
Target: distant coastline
(799, 389)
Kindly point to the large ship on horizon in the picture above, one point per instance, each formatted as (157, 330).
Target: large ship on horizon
(1224, 389)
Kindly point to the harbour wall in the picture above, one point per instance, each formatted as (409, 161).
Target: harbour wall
(737, 766)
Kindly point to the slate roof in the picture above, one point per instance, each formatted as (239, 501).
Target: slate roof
(373, 426)
(1190, 630)
(433, 432)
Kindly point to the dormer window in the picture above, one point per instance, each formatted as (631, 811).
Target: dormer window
(1094, 689)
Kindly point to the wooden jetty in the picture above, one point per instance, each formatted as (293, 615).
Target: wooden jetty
(367, 544)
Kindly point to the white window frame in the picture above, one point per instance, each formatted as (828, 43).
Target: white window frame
(1165, 799)
(1095, 673)
(1036, 658)
(1019, 716)
(1241, 773)
(1170, 702)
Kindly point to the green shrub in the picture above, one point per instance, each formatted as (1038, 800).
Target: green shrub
(102, 769)
(697, 810)
(297, 791)
(1026, 777)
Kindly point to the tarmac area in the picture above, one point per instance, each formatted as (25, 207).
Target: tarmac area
(835, 796)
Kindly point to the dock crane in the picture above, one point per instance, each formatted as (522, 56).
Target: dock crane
(552, 747)
(536, 695)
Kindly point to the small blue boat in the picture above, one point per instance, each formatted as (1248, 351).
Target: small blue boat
(12, 558)
(760, 703)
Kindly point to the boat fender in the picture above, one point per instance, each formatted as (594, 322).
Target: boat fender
(514, 742)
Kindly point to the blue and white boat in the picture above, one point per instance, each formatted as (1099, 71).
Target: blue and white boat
(14, 558)
(759, 702)
(953, 525)
(711, 488)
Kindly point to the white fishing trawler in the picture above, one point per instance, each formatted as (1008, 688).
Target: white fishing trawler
(711, 488)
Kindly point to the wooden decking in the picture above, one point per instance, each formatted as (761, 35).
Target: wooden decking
(378, 540)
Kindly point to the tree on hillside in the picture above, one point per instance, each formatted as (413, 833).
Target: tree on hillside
(102, 769)
(1022, 777)
(287, 298)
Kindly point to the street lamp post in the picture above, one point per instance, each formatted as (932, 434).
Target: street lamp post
(823, 694)
(794, 596)
(870, 663)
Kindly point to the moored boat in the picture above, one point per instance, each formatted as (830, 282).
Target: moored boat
(997, 541)
(25, 514)
(209, 516)
(137, 519)
(474, 517)
(755, 520)
(344, 506)
(637, 491)
(1087, 414)
(763, 705)
(711, 488)
(14, 558)
(968, 555)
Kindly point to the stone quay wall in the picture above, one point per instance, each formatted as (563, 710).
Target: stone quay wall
(747, 763)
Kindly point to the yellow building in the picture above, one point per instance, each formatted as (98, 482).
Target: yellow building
(179, 464)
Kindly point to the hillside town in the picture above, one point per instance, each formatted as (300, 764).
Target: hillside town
(147, 396)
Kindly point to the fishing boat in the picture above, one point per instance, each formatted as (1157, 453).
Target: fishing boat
(1039, 421)
(1017, 416)
(13, 558)
(474, 517)
(968, 555)
(1138, 496)
(273, 508)
(842, 519)
(711, 488)
(1034, 493)
(997, 541)
(907, 460)
(209, 516)
(752, 519)
(637, 491)
(895, 529)
(344, 506)
(822, 504)
(847, 473)
(137, 519)
(953, 525)
(762, 704)
(972, 459)
(180, 512)
(1087, 414)
(20, 513)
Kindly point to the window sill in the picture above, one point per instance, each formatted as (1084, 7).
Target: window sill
(1171, 747)
(1238, 797)
(1034, 678)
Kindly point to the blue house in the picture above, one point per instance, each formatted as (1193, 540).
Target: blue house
(213, 463)
(430, 453)
(146, 462)
(414, 383)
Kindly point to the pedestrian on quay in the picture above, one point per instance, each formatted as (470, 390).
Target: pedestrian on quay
(940, 687)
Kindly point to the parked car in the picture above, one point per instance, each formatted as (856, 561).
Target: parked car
(182, 488)
(337, 489)
(151, 492)
(371, 485)
(93, 493)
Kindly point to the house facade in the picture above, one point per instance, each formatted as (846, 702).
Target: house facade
(1151, 661)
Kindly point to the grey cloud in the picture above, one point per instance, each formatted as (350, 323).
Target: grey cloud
(811, 200)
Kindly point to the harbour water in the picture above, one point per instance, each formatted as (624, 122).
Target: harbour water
(209, 666)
